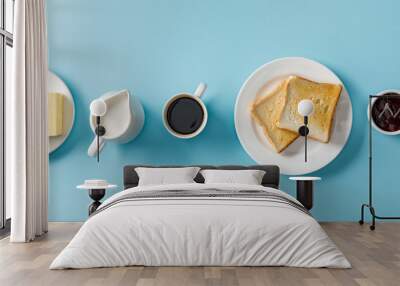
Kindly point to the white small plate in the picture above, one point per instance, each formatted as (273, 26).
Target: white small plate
(291, 160)
(305, 178)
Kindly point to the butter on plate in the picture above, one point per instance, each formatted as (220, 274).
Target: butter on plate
(56, 114)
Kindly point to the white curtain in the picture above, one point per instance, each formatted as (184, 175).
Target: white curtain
(27, 140)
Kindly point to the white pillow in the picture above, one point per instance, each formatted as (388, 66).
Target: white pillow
(165, 176)
(247, 177)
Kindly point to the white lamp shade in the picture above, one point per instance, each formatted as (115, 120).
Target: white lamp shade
(98, 107)
(305, 107)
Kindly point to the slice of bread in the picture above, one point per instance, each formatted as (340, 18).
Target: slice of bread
(266, 110)
(324, 97)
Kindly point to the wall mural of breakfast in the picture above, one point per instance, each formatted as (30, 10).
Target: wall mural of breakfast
(268, 122)
(239, 49)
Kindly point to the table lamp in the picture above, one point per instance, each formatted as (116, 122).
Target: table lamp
(305, 108)
(98, 108)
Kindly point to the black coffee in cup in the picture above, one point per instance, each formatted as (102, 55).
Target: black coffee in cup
(185, 115)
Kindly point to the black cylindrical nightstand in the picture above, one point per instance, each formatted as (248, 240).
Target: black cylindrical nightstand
(305, 189)
(96, 195)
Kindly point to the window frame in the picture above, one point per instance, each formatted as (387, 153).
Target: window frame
(6, 39)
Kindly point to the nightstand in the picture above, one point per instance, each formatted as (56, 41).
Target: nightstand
(97, 190)
(304, 190)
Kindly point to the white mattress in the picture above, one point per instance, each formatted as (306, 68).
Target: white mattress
(200, 231)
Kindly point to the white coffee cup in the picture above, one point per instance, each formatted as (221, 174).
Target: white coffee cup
(196, 97)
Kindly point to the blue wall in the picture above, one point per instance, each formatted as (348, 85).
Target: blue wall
(156, 48)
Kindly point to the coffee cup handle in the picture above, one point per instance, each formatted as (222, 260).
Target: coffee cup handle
(200, 90)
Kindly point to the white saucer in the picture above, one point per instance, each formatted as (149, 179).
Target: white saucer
(96, 185)
(305, 178)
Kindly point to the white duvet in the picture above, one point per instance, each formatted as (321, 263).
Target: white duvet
(200, 231)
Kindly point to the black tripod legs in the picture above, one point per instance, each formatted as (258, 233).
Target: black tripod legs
(361, 221)
(372, 211)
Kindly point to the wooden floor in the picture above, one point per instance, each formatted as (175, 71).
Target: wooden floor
(375, 257)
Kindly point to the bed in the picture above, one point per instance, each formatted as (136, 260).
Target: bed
(198, 224)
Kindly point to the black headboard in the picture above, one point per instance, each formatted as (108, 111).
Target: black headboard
(271, 177)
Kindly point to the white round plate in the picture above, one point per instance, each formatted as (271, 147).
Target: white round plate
(291, 160)
(55, 84)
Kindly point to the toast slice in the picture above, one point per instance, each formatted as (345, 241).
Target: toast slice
(324, 96)
(266, 110)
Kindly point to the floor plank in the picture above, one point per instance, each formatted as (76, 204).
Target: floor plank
(375, 257)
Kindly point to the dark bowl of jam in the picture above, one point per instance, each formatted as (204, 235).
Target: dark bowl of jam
(385, 112)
